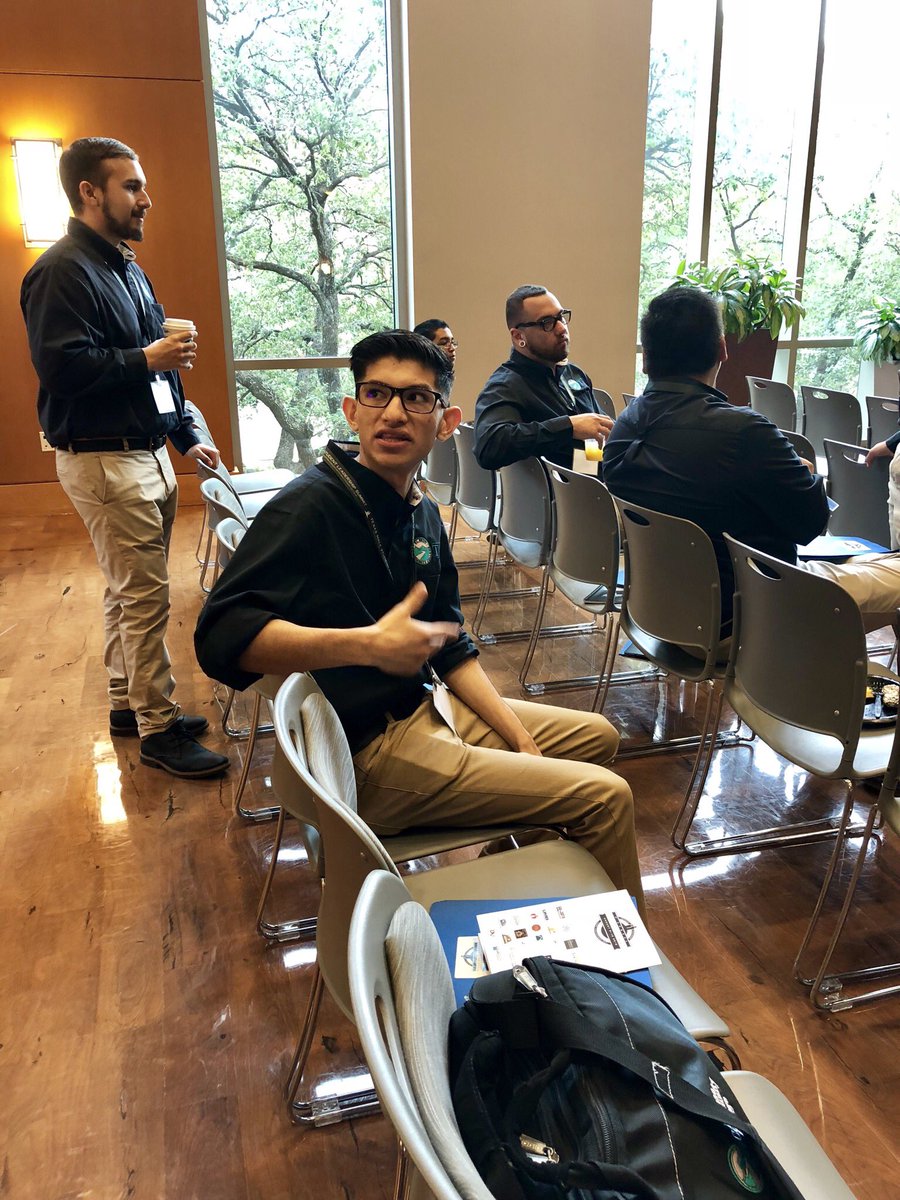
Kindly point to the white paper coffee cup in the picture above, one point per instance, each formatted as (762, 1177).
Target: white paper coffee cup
(178, 325)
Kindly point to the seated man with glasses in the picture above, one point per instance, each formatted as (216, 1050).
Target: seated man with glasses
(537, 403)
(441, 334)
(347, 573)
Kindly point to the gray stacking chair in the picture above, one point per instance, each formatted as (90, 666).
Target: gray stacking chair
(774, 400)
(604, 402)
(627, 398)
(315, 745)
(884, 414)
(830, 414)
(797, 676)
(525, 534)
(438, 474)
(860, 492)
(584, 565)
(322, 795)
(802, 445)
(221, 503)
(229, 532)
(402, 1000)
(672, 611)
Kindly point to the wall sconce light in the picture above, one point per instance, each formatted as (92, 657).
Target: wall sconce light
(42, 203)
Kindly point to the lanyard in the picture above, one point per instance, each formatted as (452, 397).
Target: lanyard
(344, 477)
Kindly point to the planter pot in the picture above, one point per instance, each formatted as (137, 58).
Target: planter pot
(753, 356)
(886, 381)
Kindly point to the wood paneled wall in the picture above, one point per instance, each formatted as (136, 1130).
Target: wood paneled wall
(134, 73)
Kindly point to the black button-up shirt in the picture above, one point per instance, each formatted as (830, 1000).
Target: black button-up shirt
(310, 558)
(88, 313)
(524, 409)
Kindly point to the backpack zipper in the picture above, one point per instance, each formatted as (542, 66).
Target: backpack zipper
(522, 975)
(537, 1150)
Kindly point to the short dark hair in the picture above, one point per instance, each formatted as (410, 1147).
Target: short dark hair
(406, 346)
(85, 159)
(680, 333)
(431, 327)
(515, 302)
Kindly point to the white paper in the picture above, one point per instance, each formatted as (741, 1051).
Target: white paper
(604, 930)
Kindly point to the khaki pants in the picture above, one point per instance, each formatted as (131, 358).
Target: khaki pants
(873, 580)
(420, 773)
(894, 500)
(127, 500)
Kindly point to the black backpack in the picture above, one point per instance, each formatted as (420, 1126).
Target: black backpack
(572, 1082)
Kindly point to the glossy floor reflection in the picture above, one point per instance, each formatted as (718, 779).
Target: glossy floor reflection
(145, 1029)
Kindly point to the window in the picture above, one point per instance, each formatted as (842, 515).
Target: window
(754, 83)
(300, 97)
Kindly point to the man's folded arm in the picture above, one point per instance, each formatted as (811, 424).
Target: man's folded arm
(502, 437)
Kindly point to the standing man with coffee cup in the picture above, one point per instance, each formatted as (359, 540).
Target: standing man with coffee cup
(109, 397)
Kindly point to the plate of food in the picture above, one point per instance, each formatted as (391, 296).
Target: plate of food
(882, 701)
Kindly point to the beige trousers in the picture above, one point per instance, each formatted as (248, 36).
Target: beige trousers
(420, 773)
(873, 580)
(894, 500)
(127, 501)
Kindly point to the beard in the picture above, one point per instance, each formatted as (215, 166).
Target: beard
(125, 230)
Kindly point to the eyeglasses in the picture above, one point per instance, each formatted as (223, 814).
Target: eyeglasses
(447, 342)
(416, 400)
(548, 324)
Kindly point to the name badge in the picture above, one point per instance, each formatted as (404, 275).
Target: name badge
(440, 698)
(162, 395)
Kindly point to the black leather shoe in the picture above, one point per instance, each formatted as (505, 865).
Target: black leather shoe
(175, 751)
(123, 723)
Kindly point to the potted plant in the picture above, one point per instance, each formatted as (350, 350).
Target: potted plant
(758, 299)
(878, 341)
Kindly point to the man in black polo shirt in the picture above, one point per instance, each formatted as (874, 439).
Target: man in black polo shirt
(109, 397)
(537, 403)
(347, 573)
(682, 448)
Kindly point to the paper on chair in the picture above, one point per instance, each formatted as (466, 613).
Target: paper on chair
(604, 930)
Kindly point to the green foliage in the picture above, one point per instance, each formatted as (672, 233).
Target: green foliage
(753, 294)
(878, 331)
(301, 120)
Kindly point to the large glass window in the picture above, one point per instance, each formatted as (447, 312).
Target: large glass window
(801, 171)
(301, 113)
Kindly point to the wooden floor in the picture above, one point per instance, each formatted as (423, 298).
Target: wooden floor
(145, 1030)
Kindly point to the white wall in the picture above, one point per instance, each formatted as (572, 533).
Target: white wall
(527, 132)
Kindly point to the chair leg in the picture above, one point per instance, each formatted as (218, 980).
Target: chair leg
(536, 627)
(270, 812)
(300, 929)
(207, 560)
(827, 990)
(401, 1174)
(200, 538)
(486, 584)
(331, 1109)
(705, 750)
(609, 657)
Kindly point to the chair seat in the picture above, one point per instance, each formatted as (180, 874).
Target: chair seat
(788, 1136)
(261, 481)
(816, 752)
(254, 501)
(565, 869)
(586, 594)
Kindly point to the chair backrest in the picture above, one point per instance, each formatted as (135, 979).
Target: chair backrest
(604, 402)
(219, 472)
(801, 444)
(828, 414)
(798, 656)
(229, 532)
(526, 513)
(585, 553)
(884, 414)
(198, 419)
(439, 471)
(222, 502)
(774, 400)
(476, 488)
(627, 398)
(671, 605)
(860, 491)
(314, 743)
(402, 1000)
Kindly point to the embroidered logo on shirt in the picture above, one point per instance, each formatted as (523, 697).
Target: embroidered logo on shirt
(745, 1170)
(422, 551)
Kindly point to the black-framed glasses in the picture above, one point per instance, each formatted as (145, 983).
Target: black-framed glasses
(548, 324)
(374, 394)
